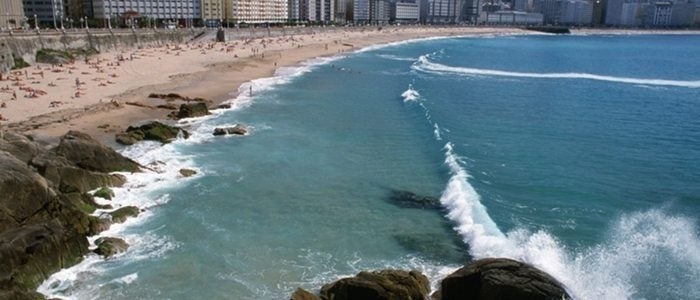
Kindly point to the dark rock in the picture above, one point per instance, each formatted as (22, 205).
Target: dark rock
(302, 294)
(384, 284)
(89, 154)
(500, 278)
(167, 106)
(30, 253)
(406, 199)
(120, 215)
(20, 146)
(192, 110)
(129, 138)
(54, 57)
(156, 131)
(23, 193)
(80, 180)
(224, 106)
(109, 246)
(187, 172)
(236, 130)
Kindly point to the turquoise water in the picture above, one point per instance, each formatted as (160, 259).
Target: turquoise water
(578, 154)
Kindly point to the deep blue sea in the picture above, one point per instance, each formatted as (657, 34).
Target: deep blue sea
(577, 154)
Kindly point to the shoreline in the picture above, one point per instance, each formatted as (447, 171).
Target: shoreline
(102, 107)
(213, 71)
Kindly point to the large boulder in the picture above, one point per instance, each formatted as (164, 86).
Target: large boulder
(155, 131)
(192, 110)
(384, 284)
(30, 253)
(23, 193)
(109, 246)
(20, 146)
(91, 155)
(500, 279)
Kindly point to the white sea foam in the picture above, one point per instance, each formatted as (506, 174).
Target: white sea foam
(425, 65)
(616, 269)
(410, 95)
(398, 58)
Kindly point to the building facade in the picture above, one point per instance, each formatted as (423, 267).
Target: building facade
(47, 12)
(259, 11)
(406, 12)
(213, 11)
(511, 17)
(11, 14)
(576, 12)
(183, 12)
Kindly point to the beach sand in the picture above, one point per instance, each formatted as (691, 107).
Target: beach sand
(107, 93)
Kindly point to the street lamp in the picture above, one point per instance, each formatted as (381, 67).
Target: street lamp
(81, 23)
(109, 21)
(62, 28)
(36, 23)
(53, 9)
(86, 23)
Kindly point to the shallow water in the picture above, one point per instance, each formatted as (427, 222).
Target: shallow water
(578, 154)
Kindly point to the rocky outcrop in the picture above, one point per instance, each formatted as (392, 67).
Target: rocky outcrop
(384, 284)
(87, 153)
(192, 110)
(486, 279)
(500, 278)
(109, 246)
(235, 130)
(187, 172)
(45, 205)
(154, 131)
(120, 215)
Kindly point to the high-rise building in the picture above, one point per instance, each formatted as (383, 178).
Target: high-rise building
(311, 10)
(183, 12)
(259, 11)
(213, 11)
(11, 14)
(649, 13)
(406, 11)
(47, 12)
(550, 10)
(575, 12)
(599, 10)
(76, 9)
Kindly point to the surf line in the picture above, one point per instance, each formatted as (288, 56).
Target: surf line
(424, 64)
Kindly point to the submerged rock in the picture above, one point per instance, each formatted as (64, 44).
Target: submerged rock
(109, 246)
(500, 279)
(105, 193)
(406, 199)
(235, 130)
(376, 285)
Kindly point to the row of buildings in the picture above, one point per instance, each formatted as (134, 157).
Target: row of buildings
(103, 13)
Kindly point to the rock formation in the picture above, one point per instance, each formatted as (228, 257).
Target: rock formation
(154, 131)
(109, 246)
(500, 278)
(377, 285)
(44, 205)
(192, 110)
(235, 130)
(486, 279)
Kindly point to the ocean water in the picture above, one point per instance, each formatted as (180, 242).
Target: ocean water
(577, 154)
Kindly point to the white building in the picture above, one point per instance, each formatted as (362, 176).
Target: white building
(259, 11)
(12, 15)
(183, 11)
(407, 12)
(312, 10)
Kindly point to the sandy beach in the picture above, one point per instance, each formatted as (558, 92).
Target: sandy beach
(108, 92)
